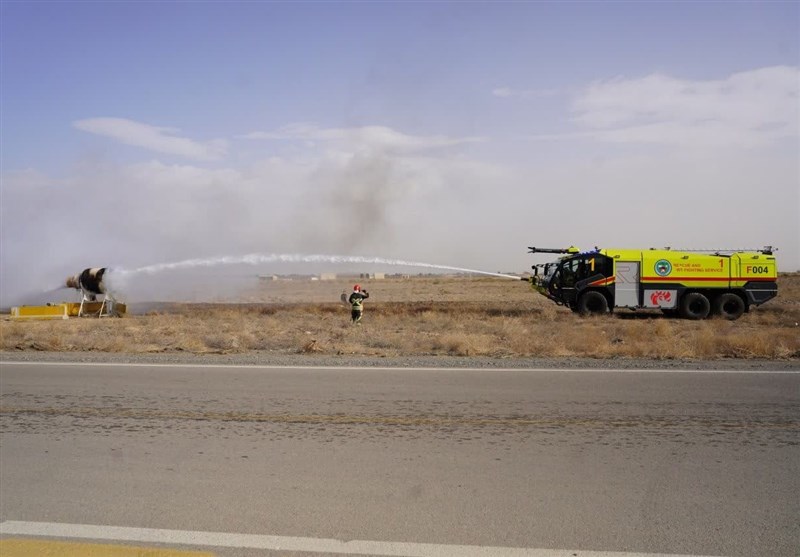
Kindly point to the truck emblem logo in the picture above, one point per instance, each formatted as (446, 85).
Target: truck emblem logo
(659, 296)
(663, 267)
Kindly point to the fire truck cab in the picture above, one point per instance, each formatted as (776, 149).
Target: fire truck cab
(691, 284)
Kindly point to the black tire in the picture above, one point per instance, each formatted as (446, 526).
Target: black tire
(729, 306)
(695, 305)
(592, 303)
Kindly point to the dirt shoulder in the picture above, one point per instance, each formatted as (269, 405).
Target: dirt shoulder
(416, 322)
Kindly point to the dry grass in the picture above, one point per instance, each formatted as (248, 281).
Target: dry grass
(420, 316)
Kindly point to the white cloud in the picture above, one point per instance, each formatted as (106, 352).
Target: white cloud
(377, 137)
(749, 108)
(153, 138)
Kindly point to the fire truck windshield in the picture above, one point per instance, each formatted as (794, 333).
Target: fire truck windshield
(550, 273)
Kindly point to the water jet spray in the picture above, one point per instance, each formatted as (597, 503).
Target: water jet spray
(261, 258)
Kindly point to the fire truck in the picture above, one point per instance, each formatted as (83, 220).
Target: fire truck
(691, 284)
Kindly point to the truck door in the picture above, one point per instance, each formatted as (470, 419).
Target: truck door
(627, 284)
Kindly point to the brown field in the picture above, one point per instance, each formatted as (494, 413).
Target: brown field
(419, 316)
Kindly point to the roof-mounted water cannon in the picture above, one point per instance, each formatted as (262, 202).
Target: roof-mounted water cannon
(571, 249)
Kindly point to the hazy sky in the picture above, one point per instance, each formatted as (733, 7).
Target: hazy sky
(454, 133)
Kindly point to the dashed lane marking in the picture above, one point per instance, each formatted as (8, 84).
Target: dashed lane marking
(291, 543)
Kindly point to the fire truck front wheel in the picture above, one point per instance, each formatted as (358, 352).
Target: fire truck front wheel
(592, 303)
(729, 306)
(695, 305)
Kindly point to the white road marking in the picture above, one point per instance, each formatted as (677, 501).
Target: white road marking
(291, 543)
(410, 368)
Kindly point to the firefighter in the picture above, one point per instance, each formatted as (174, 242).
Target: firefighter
(357, 303)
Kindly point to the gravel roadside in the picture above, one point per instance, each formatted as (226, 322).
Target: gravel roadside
(305, 360)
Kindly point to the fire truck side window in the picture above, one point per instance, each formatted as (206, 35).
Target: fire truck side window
(569, 272)
(584, 267)
(603, 265)
(596, 263)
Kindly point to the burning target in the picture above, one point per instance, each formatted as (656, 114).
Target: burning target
(90, 282)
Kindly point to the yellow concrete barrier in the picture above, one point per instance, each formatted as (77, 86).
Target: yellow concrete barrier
(66, 310)
(58, 311)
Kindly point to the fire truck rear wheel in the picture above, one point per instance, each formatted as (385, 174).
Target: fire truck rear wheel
(592, 303)
(695, 305)
(729, 306)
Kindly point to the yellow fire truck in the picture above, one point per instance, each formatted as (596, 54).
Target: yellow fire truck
(691, 284)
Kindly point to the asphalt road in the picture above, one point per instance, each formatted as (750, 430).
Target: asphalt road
(402, 461)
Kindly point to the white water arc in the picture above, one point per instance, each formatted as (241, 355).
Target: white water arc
(262, 258)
